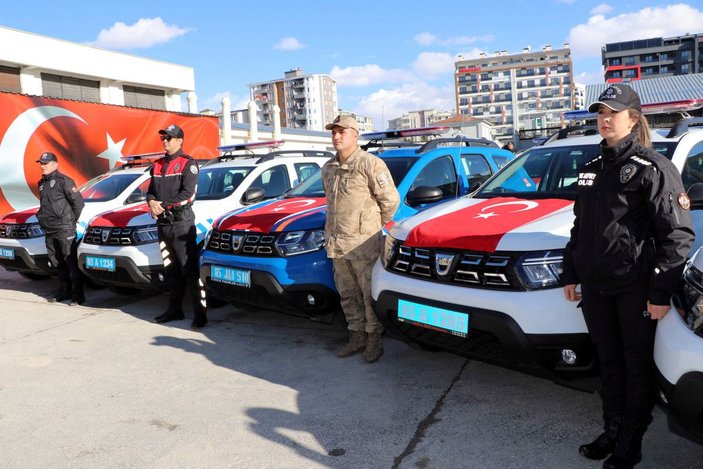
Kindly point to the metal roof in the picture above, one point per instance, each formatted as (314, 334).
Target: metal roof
(657, 90)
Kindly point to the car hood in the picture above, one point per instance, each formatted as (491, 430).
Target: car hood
(489, 225)
(289, 214)
(28, 215)
(134, 215)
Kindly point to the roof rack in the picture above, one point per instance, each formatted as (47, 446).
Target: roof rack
(400, 133)
(383, 145)
(566, 132)
(228, 150)
(142, 159)
(463, 141)
(682, 125)
(306, 153)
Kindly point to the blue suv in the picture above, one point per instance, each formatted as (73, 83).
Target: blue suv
(272, 254)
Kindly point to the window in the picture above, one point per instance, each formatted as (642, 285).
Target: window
(218, 183)
(274, 181)
(10, 79)
(664, 69)
(477, 169)
(439, 173)
(629, 60)
(685, 55)
(614, 61)
(144, 98)
(648, 58)
(685, 68)
(305, 170)
(693, 169)
(108, 186)
(629, 73)
(77, 89)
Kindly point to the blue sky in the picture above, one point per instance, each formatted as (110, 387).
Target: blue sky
(388, 57)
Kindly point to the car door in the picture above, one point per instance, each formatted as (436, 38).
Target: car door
(439, 172)
(693, 174)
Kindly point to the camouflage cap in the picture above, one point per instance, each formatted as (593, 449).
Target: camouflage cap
(344, 121)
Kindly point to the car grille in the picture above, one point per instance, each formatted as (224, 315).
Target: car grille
(243, 243)
(15, 230)
(466, 268)
(108, 236)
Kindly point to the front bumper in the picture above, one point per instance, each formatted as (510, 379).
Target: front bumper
(29, 256)
(135, 266)
(279, 283)
(501, 330)
(678, 354)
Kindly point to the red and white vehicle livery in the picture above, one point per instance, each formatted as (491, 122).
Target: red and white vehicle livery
(120, 248)
(480, 276)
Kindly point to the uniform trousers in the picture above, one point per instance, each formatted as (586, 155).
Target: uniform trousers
(180, 253)
(61, 249)
(624, 341)
(353, 281)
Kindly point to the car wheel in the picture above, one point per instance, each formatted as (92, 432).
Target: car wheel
(33, 276)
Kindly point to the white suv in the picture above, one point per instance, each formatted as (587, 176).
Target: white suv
(678, 354)
(480, 276)
(120, 248)
(22, 244)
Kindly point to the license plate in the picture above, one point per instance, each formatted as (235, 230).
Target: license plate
(7, 253)
(231, 276)
(100, 263)
(430, 317)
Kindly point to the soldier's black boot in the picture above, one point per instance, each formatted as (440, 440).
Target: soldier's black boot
(604, 445)
(628, 450)
(78, 297)
(199, 305)
(65, 293)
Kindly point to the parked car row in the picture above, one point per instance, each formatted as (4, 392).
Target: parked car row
(471, 260)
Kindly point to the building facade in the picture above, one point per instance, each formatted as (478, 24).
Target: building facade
(653, 58)
(305, 101)
(421, 118)
(44, 66)
(365, 123)
(516, 92)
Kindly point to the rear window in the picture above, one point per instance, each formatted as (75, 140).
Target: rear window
(107, 187)
(218, 183)
(399, 167)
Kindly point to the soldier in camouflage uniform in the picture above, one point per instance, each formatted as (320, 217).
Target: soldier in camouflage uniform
(361, 198)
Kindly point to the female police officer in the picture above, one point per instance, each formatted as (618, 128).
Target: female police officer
(632, 233)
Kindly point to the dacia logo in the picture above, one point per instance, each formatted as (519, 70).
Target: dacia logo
(104, 235)
(443, 262)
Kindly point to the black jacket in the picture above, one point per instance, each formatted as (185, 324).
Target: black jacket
(632, 223)
(60, 203)
(174, 181)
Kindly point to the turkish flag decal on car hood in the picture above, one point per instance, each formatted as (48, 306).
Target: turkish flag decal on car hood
(480, 227)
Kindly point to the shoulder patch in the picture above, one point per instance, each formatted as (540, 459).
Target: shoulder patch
(684, 201)
(52, 183)
(383, 178)
(74, 189)
(194, 168)
(626, 172)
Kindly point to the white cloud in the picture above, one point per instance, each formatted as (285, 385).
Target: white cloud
(146, 32)
(370, 74)
(474, 53)
(586, 39)
(428, 39)
(601, 9)
(386, 104)
(430, 65)
(289, 43)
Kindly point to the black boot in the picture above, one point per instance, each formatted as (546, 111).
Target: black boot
(78, 297)
(602, 446)
(172, 313)
(628, 451)
(199, 305)
(64, 294)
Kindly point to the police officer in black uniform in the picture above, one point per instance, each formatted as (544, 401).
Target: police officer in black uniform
(60, 206)
(170, 197)
(631, 236)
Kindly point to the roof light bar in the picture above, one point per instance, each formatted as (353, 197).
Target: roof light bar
(251, 145)
(404, 133)
(143, 156)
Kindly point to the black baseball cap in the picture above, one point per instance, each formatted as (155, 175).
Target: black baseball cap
(172, 130)
(618, 98)
(46, 157)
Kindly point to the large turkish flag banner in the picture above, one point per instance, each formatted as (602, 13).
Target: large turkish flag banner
(88, 139)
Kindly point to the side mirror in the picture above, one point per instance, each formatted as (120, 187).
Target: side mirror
(424, 195)
(695, 193)
(253, 195)
(135, 197)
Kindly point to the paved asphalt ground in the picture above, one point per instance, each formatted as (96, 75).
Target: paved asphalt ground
(101, 386)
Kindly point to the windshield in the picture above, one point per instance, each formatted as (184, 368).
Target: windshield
(218, 183)
(399, 167)
(310, 187)
(107, 186)
(547, 172)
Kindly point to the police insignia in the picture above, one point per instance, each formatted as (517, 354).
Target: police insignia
(177, 167)
(684, 201)
(626, 172)
(194, 169)
(74, 189)
(51, 184)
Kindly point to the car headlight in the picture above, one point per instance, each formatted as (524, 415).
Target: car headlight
(690, 299)
(146, 234)
(389, 246)
(300, 242)
(541, 269)
(34, 230)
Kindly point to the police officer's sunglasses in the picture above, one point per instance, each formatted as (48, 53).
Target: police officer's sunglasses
(165, 137)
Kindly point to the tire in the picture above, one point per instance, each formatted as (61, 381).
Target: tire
(33, 276)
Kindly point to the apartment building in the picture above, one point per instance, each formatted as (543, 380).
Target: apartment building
(526, 91)
(420, 118)
(54, 68)
(304, 101)
(365, 123)
(652, 58)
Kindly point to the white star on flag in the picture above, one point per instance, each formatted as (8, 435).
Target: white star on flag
(486, 215)
(113, 153)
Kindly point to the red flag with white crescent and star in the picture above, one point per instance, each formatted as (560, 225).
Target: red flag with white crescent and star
(88, 139)
(480, 227)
